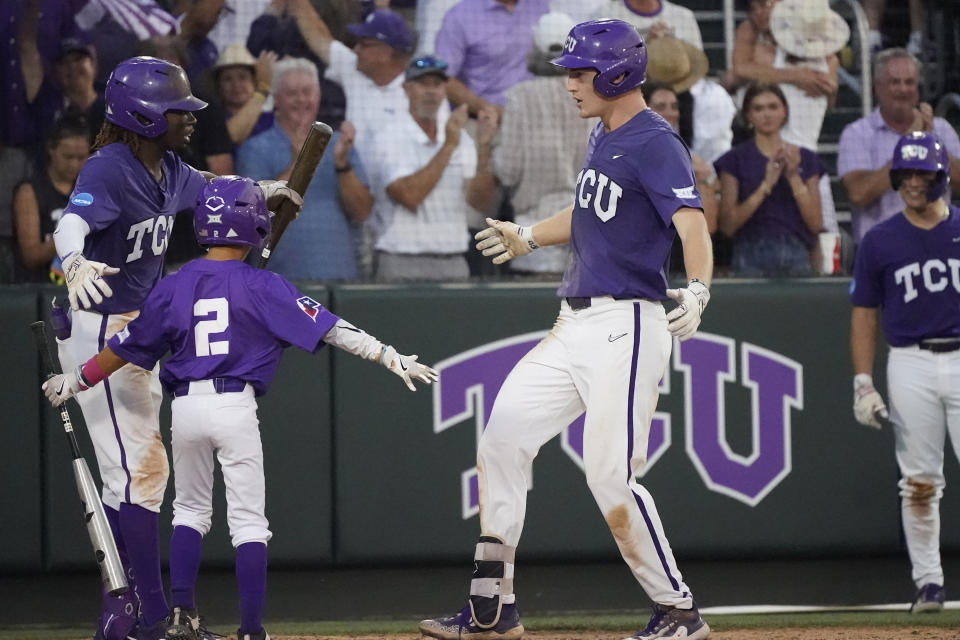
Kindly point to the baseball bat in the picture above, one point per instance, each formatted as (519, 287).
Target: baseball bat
(104, 547)
(300, 177)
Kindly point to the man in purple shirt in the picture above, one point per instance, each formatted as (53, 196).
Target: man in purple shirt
(225, 325)
(866, 145)
(485, 44)
(909, 267)
(610, 345)
(120, 213)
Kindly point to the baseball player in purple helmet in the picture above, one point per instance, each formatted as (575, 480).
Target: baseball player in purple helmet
(225, 325)
(909, 268)
(112, 238)
(610, 345)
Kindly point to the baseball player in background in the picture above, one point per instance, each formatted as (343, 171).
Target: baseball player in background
(226, 325)
(112, 238)
(909, 267)
(610, 345)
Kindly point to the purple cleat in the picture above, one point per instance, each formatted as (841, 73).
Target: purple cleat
(671, 622)
(462, 626)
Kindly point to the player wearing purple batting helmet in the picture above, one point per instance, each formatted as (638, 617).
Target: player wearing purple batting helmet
(141, 90)
(612, 47)
(921, 151)
(231, 211)
(906, 279)
(610, 345)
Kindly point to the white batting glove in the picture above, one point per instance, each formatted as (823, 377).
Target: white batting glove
(276, 191)
(85, 280)
(407, 368)
(63, 386)
(868, 406)
(684, 320)
(505, 240)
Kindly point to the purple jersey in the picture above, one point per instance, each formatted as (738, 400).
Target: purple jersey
(633, 180)
(130, 216)
(913, 275)
(222, 319)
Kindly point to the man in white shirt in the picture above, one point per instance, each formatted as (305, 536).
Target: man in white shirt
(427, 172)
(655, 18)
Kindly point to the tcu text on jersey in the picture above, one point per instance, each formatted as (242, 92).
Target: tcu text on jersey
(159, 229)
(932, 274)
(591, 186)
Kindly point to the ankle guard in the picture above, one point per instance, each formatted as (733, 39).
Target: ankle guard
(492, 579)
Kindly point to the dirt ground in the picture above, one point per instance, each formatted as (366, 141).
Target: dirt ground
(826, 633)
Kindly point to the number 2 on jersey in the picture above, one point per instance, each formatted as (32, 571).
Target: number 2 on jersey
(201, 333)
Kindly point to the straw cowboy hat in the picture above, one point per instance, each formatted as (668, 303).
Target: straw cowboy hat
(234, 55)
(808, 28)
(675, 62)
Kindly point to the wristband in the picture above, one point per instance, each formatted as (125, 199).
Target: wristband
(862, 380)
(264, 92)
(90, 373)
(345, 169)
(526, 234)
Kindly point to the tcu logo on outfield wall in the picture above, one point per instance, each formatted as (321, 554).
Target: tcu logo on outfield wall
(469, 382)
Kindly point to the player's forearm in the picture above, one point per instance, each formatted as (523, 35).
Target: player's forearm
(865, 187)
(349, 338)
(413, 189)
(697, 248)
(863, 338)
(70, 234)
(555, 229)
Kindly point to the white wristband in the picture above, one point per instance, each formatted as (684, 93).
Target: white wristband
(862, 380)
(526, 234)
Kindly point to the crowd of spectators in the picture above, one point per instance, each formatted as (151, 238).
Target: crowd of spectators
(447, 112)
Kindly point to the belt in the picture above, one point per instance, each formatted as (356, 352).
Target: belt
(578, 303)
(220, 385)
(940, 345)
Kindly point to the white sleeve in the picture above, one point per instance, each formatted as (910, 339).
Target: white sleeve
(70, 234)
(343, 62)
(344, 335)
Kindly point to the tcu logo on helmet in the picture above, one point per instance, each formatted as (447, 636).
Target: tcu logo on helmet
(913, 152)
(570, 44)
(469, 383)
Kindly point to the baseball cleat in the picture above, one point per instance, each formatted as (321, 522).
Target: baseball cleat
(671, 622)
(118, 619)
(260, 635)
(461, 626)
(929, 599)
(180, 624)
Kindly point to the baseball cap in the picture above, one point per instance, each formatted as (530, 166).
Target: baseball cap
(426, 65)
(387, 27)
(73, 44)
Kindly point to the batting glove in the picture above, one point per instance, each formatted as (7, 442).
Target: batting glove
(85, 280)
(505, 240)
(63, 386)
(684, 320)
(407, 368)
(868, 406)
(276, 191)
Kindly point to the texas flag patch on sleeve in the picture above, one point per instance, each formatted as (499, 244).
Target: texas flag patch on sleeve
(309, 306)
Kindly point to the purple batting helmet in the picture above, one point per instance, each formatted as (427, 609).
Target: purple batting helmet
(231, 210)
(140, 90)
(613, 48)
(921, 151)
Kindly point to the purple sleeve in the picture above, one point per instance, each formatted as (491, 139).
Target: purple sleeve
(289, 315)
(667, 176)
(95, 196)
(144, 340)
(191, 182)
(450, 44)
(810, 164)
(727, 163)
(866, 287)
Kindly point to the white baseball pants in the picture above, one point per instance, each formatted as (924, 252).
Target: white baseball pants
(206, 423)
(122, 415)
(924, 392)
(608, 360)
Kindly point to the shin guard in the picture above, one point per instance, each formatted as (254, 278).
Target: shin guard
(492, 580)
